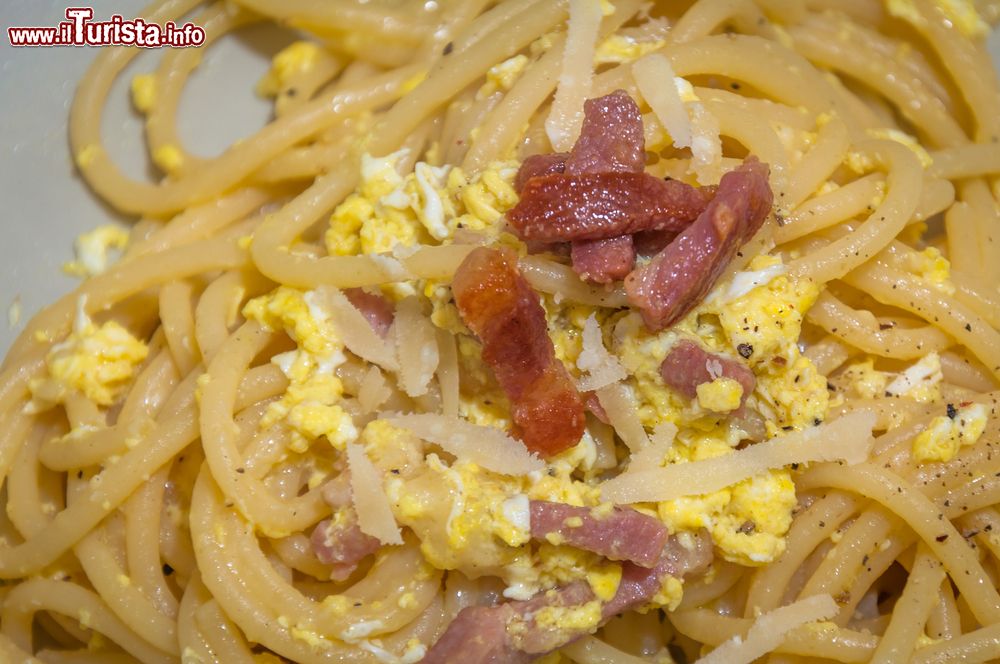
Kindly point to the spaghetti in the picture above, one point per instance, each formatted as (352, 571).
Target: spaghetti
(272, 430)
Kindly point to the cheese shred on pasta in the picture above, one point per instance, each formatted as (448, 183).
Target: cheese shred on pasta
(266, 432)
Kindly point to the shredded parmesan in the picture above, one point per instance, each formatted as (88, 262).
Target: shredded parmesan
(370, 502)
(655, 78)
(373, 390)
(847, 438)
(769, 630)
(566, 117)
(485, 446)
(448, 372)
(603, 368)
(682, 114)
(653, 454)
(620, 406)
(355, 330)
(416, 347)
(706, 145)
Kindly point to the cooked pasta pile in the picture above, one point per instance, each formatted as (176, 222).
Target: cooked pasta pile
(342, 399)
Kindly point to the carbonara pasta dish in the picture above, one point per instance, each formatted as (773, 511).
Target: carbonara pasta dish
(529, 331)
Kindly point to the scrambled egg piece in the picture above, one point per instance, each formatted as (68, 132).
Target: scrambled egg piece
(310, 404)
(618, 49)
(293, 60)
(947, 433)
(921, 381)
(488, 515)
(769, 317)
(490, 409)
(552, 565)
(720, 395)
(565, 321)
(585, 617)
(99, 362)
(865, 380)
(168, 157)
(143, 89)
(933, 268)
(444, 312)
(430, 203)
(92, 250)
(502, 76)
(748, 521)
(756, 316)
(392, 449)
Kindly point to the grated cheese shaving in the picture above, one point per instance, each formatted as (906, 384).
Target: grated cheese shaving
(602, 367)
(769, 630)
(575, 79)
(355, 330)
(416, 347)
(370, 502)
(653, 454)
(448, 378)
(485, 446)
(706, 145)
(620, 407)
(373, 390)
(847, 438)
(652, 74)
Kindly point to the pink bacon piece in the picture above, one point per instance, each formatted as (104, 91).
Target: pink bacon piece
(680, 276)
(624, 534)
(611, 141)
(611, 138)
(557, 208)
(342, 543)
(603, 261)
(538, 165)
(688, 365)
(500, 308)
(375, 308)
(507, 633)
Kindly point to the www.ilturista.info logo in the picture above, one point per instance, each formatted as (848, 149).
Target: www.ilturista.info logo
(80, 30)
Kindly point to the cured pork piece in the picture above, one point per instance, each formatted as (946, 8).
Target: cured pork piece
(603, 261)
(622, 534)
(680, 276)
(375, 308)
(611, 141)
(558, 208)
(688, 365)
(508, 634)
(500, 308)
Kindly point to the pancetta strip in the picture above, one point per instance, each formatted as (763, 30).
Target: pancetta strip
(680, 276)
(560, 207)
(499, 306)
(688, 365)
(342, 542)
(623, 534)
(603, 261)
(538, 165)
(507, 632)
(611, 138)
(377, 310)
